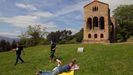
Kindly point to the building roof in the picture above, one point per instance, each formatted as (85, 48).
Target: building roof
(95, 1)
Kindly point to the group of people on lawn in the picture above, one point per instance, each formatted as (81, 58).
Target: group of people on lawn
(57, 70)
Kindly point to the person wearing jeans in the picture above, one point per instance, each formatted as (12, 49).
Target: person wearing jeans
(18, 49)
(60, 69)
(52, 51)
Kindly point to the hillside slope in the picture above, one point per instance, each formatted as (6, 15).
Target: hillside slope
(97, 59)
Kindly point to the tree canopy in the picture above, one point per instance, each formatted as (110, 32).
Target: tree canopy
(59, 36)
(33, 36)
(124, 16)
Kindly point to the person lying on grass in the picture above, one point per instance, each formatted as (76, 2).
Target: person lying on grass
(60, 69)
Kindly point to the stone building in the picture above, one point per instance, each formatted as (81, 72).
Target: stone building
(99, 27)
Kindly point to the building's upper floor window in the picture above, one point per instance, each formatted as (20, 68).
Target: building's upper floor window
(95, 9)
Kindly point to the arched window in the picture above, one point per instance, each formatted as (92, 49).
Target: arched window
(95, 35)
(94, 9)
(101, 36)
(101, 22)
(95, 22)
(89, 23)
(89, 36)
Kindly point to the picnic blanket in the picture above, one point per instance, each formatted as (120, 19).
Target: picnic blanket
(67, 73)
(64, 73)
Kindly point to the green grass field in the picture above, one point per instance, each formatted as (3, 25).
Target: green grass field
(97, 59)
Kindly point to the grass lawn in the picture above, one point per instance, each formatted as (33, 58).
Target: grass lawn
(97, 59)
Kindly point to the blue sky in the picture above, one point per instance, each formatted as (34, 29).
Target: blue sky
(16, 15)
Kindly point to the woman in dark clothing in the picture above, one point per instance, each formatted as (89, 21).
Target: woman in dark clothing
(18, 50)
(52, 50)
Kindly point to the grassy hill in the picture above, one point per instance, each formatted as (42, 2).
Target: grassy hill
(98, 59)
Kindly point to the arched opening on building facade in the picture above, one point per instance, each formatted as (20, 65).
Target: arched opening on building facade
(95, 35)
(95, 21)
(101, 22)
(95, 9)
(102, 36)
(89, 23)
(89, 36)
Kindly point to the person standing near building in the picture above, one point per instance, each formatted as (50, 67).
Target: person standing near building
(52, 50)
(18, 50)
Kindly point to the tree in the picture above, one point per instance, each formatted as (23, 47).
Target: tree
(79, 36)
(4, 46)
(65, 36)
(33, 35)
(54, 36)
(36, 31)
(13, 45)
(24, 39)
(59, 36)
(124, 16)
(8, 46)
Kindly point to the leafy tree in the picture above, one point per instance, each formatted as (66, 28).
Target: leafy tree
(13, 45)
(79, 36)
(8, 46)
(54, 36)
(33, 35)
(23, 38)
(4, 46)
(65, 36)
(59, 36)
(124, 16)
(36, 31)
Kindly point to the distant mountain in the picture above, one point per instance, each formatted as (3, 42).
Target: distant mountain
(8, 39)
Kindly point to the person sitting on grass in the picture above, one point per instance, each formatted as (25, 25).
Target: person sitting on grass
(60, 69)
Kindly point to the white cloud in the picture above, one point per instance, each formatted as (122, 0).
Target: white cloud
(26, 6)
(73, 30)
(50, 25)
(24, 21)
(72, 8)
(19, 21)
(43, 14)
(11, 34)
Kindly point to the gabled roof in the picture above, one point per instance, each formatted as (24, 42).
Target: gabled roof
(95, 1)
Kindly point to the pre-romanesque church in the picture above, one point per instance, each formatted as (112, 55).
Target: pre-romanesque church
(99, 27)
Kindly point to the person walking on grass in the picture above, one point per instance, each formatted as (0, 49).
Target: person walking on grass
(18, 50)
(52, 50)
